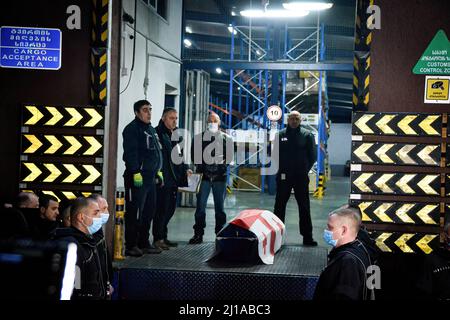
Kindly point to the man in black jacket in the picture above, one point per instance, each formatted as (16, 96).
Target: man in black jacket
(345, 276)
(212, 153)
(175, 175)
(143, 161)
(85, 221)
(294, 147)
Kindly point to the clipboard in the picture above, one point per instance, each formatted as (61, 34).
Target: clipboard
(194, 181)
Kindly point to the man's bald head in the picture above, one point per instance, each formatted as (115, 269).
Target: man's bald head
(294, 119)
(27, 200)
(344, 223)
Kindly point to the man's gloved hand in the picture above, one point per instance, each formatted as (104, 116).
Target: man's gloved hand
(138, 180)
(159, 178)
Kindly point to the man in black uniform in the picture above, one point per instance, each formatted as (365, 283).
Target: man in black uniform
(295, 149)
(345, 276)
(143, 160)
(174, 176)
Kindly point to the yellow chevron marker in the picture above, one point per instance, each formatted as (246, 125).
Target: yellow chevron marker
(404, 125)
(69, 195)
(360, 182)
(402, 212)
(381, 182)
(382, 153)
(424, 213)
(363, 206)
(360, 152)
(35, 143)
(76, 117)
(74, 173)
(51, 193)
(403, 183)
(93, 174)
(403, 154)
(424, 154)
(96, 117)
(86, 194)
(361, 123)
(95, 145)
(74, 144)
(383, 124)
(426, 125)
(56, 116)
(381, 212)
(54, 172)
(35, 172)
(424, 184)
(401, 242)
(423, 243)
(56, 144)
(36, 115)
(380, 241)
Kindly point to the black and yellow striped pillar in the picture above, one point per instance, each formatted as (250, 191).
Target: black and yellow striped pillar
(99, 45)
(119, 226)
(320, 188)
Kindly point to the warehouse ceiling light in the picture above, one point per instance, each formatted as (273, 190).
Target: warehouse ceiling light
(231, 29)
(276, 13)
(188, 29)
(307, 5)
(219, 71)
(187, 43)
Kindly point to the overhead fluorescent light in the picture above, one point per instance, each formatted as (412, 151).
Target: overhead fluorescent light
(219, 71)
(187, 43)
(232, 30)
(307, 5)
(188, 29)
(274, 13)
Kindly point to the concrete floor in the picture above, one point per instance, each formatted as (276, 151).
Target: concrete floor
(337, 193)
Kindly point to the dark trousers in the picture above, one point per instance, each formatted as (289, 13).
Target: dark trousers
(300, 184)
(166, 204)
(219, 193)
(139, 212)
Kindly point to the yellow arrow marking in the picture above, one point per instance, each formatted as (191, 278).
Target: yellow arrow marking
(96, 117)
(52, 194)
(401, 242)
(424, 184)
(54, 172)
(382, 153)
(403, 154)
(56, 144)
(35, 143)
(381, 212)
(35, 172)
(56, 116)
(402, 212)
(74, 145)
(380, 242)
(426, 125)
(361, 123)
(424, 213)
(403, 183)
(93, 174)
(383, 124)
(423, 243)
(76, 117)
(363, 206)
(74, 173)
(86, 194)
(424, 154)
(360, 182)
(69, 195)
(36, 115)
(95, 145)
(360, 152)
(381, 182)
(404, 125)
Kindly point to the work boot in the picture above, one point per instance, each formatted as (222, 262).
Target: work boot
(170, 243)
(134, 252)
(151, 250)
(160, 244)
(196, 239)
(309, 242)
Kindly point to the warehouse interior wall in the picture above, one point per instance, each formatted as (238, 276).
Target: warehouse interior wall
(339, 147)
(157, 57)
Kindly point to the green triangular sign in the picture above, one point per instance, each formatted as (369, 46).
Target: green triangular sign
(436, 59)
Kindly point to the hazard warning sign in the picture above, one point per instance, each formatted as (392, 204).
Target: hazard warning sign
(437, 89)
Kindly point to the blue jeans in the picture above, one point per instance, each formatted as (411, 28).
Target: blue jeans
(219, 189)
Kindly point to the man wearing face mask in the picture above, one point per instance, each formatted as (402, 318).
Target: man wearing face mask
(86, 220)
(345, 276)
(212, 153)
(103, 253)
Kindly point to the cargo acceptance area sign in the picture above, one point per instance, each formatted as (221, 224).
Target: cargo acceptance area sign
(30, 48)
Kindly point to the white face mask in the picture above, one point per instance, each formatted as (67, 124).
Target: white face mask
(213, 127)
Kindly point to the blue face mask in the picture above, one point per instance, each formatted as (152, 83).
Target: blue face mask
(105, 217)
(95, 226)
(328, 237)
